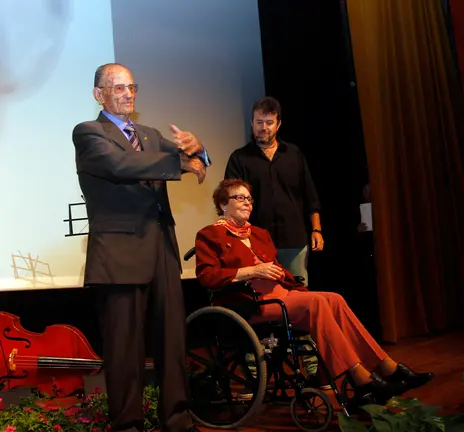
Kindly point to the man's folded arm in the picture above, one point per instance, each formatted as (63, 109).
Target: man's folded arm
(96, 155)
(171, 146)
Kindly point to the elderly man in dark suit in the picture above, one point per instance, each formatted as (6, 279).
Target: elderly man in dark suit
(132, 255)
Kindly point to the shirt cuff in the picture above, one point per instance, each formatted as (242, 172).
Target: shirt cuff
(204, 157)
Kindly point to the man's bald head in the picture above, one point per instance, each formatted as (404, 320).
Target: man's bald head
(107, 69)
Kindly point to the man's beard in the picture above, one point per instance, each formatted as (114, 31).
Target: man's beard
(265, 140)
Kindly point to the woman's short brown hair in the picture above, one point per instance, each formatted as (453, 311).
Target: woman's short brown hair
(222, 191)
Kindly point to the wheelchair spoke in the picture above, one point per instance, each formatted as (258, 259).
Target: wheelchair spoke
(198, 358)
(215, 363)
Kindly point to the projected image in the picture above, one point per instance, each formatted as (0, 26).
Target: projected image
(39, 47)
(45, 90)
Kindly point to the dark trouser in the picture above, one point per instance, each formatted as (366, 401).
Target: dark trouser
(296, 262)
(123, 311)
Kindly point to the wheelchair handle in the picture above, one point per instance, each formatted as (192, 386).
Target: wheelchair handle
(189, 254)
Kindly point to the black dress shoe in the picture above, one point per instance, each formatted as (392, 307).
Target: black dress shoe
(410, 378)
(378, 391)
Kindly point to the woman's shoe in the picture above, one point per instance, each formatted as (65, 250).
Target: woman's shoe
(410, 378)
(378, 391)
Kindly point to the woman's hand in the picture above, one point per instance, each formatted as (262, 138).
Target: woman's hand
(261, 271)
(268, 271)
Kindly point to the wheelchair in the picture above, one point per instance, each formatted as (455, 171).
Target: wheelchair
(234, 366)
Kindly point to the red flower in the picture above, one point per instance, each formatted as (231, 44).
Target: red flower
(10, 429)
(73, 411)
(57, 428)
(99, 417)
(146, 406)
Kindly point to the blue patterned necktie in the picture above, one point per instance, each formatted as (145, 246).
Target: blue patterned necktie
(133, 137)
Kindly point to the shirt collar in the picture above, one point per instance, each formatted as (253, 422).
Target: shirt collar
(121, 124)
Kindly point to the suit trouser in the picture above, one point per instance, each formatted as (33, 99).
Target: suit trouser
(123, 312)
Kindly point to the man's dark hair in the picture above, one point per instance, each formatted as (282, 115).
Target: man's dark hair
(267, 105)
(101, 71)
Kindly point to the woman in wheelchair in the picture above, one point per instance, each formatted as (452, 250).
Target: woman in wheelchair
(232, 250)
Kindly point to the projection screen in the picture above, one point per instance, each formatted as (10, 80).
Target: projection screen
(198, 65)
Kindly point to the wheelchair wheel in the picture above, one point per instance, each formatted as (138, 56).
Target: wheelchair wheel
(312, 410)
(227, 371)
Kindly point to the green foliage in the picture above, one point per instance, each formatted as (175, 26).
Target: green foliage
(150, 405)
(91, 414)
(402, 415)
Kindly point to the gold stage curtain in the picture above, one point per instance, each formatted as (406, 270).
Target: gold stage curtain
(411, 108)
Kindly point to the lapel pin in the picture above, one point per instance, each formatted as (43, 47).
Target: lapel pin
(145, 138)
(228, 245)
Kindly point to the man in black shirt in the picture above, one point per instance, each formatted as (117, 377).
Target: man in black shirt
(286, 200)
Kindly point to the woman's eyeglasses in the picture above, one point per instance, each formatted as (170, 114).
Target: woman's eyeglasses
(242, 198)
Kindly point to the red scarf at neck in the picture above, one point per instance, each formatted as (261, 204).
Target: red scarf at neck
(241, 231)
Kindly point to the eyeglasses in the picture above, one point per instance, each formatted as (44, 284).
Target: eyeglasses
(121, 88)
(242, 198)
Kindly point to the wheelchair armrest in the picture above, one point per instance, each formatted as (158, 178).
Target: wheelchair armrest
(244, 287)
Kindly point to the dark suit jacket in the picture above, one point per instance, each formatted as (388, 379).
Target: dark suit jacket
(122, 201)
(219, 254)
